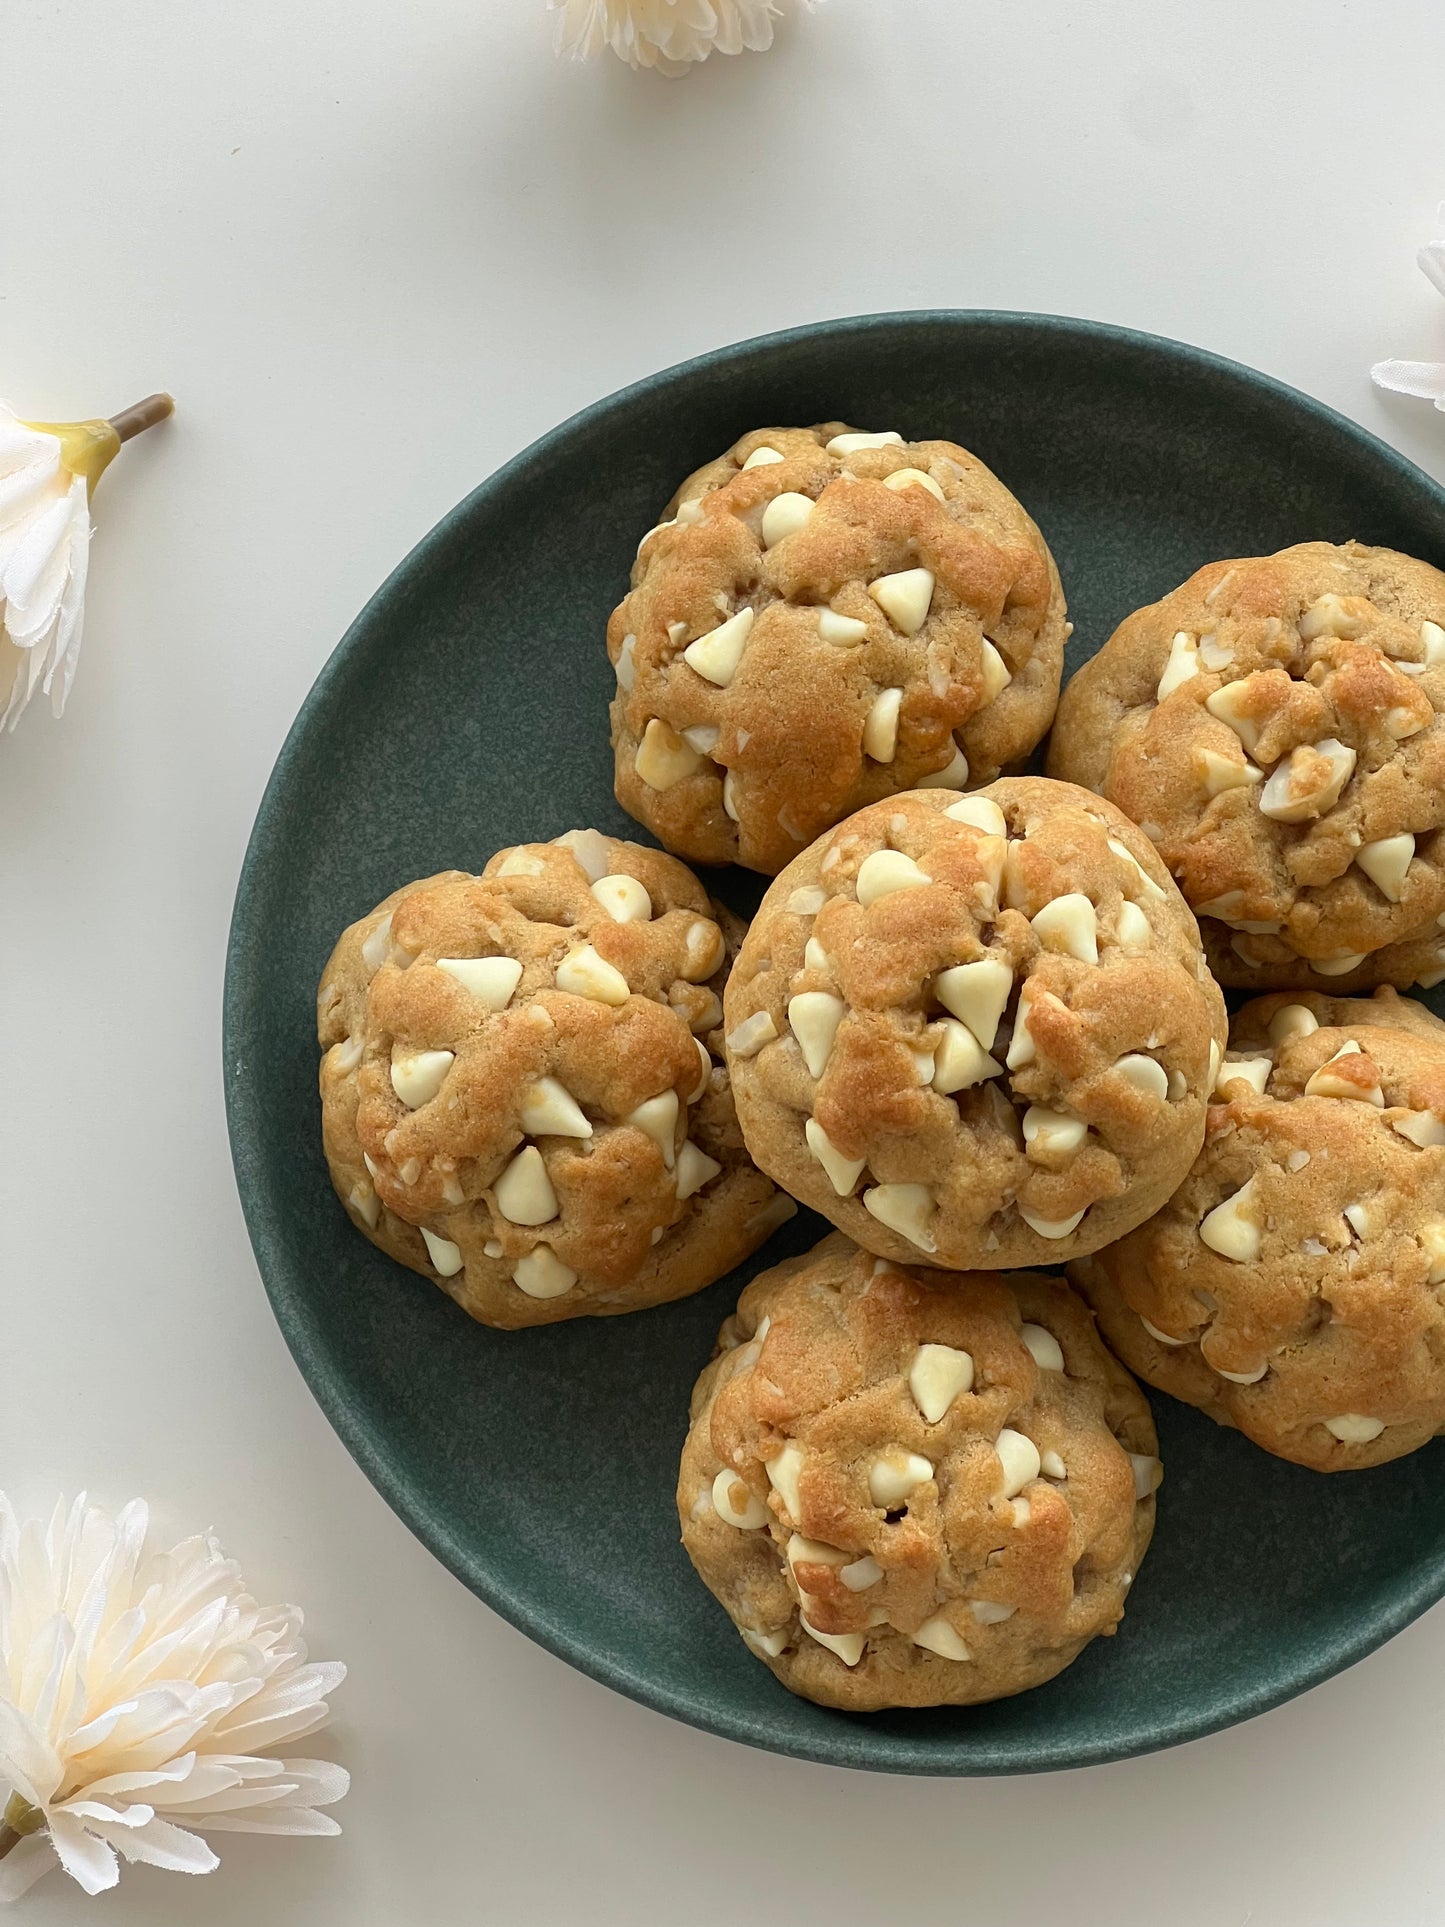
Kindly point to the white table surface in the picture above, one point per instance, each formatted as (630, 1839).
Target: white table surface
(374, 249)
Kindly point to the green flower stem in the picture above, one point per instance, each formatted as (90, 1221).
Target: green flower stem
(20, 1818)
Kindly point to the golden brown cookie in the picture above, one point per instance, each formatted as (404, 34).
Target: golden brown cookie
(909, 1488)
(521, 1093)
(1293, 1285)
(976, 1030)
(825, 618)
(1277, 726)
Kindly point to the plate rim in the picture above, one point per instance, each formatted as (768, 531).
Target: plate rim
(847, 1744)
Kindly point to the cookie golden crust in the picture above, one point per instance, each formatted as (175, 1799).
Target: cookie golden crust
(976, 1031)
(521, 1090)
(826, 618)
(1277, 726)
(1294, 1286)
(908, 1488)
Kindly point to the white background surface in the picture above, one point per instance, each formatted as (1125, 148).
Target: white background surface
(374, 249)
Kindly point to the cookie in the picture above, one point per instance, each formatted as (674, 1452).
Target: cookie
(521, 1094)
(826, 618)
(908, 1488)
(976, 1031)
(1277, 726)
(1294, 1286)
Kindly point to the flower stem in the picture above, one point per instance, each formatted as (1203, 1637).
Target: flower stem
(19, 1819)
(142, 415)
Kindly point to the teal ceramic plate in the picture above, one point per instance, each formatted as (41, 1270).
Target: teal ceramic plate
(466, 708)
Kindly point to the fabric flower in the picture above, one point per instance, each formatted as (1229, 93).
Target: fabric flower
(47, 472)
(141, 1697)
(667, 35)
(1425, 380)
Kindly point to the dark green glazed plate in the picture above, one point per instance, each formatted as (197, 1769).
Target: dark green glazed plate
(465, 709)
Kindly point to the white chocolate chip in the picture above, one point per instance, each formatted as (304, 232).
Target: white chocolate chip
(365, 1203)
(704, 1073)
(850, 444)
(625, 668)
(977, 993)
(736, 1504)
(656, 1117)
(417, 1075)
(1069, 924)
(748, 1038)
(703, 737)
(1386, 861)
(1357, 1217)
(1131, 927)
(663, 758)
(765, 1645)
(379, 948)
(704, 949)
(1433, 637)
(345, 1056)
(904, 1208)
(490, 980)
(902, 478)
(1226, 704)
(814, 1017)
(1432, 1241)
(1223, 773)
(938, 1375)
(844, 632)
(1227, 1231)
(880, 727)
(937, 1636)
(1144, 1074)
(1043, 1348)
(445, 1256)
(989, 1612)
(862, 1574)
(1159, 1337)
(1328, 1083)
(1178, 1086)
(980, 813)
(550, 1110)
(1339, 965)
(815, 957)
(583, 973)
(843, 1173)
(1053, 1133)
(524, 1191)
(1183, 664)
(896, 1475)
(716, 655)
(960, 1061)
(1333, 615)
(542, 1274)
(729, 797)
(1401, 722)
(1021, 1049)
(996, 673)
(762, 457)
(1296, 1161)
(520, 863)
(783, 1474)
(904, 598)
(409, 1171)
(847, 1646)
(784, 516)
(1254, 1071)
(1292, 1020)
(1148, 1473)
(369, 1165)
(1051, 1466)
(623, 898)
(1351, 1428)
(808, 901)
(590, 851)
(885, 871)
(1420, 1127)
(1302, 789)
(1142, 876)
(1214, 655)
(689, 512)
(451, 1189)
(951, 777)
(1019, 1458)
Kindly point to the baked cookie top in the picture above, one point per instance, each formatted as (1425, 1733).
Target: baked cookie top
(976, 1030)
(909, 1488)
(1277, 726)
(1293, 1284)
(518, 1095)
(826, 617)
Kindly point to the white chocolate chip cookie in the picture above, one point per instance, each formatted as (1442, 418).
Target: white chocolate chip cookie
(521, 1090)
(908, 1488)
(1294, 1286)
(1277, 726)
(825, 618)
(976, 1031)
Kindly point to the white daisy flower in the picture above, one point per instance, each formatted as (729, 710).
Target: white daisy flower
(47, 472)
(667, 35)
(142, 1696)
(1425, 380)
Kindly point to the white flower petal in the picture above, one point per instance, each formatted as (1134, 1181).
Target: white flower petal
(160, 1844)
(1432, 264)
(28, 1761)
(86, 1858)
(24, 1865)
(295, 1820)
(1425, 380)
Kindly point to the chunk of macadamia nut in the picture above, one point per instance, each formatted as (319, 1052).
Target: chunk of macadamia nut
(976, 1030)
(824, 617)
(1277, 724)
(523, 1094)
(1294, 1285)
(911, 1488)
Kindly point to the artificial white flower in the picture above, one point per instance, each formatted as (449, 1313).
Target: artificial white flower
(47, 472)
(141, 1695)
(1425, 380)
(668, 35)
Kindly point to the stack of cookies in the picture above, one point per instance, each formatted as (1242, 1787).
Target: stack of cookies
(976, 1023)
